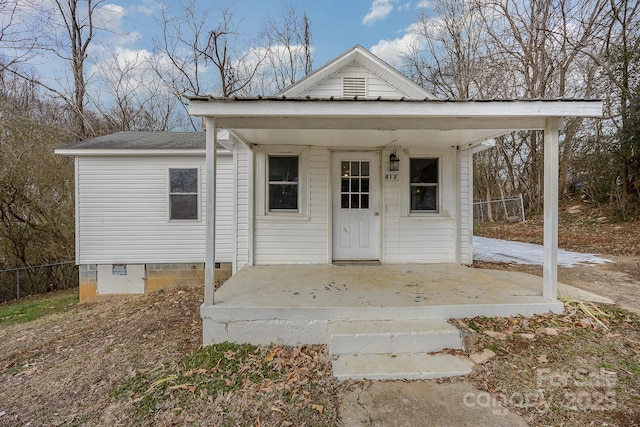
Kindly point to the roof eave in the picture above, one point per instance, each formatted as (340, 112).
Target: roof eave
(80, 152)
(278, 107)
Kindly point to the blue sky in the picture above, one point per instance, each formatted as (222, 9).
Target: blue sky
(382, 26)
(337, 25)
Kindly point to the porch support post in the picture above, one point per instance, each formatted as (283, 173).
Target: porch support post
(550, 269)
(210, 197)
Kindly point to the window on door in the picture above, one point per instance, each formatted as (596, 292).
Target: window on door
(354, 185)
(424, 184)
(284, 180)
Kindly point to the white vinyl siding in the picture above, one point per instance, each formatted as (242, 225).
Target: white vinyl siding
(280, 239)
(428, 237)
(242, 160)
(333, 86)
(122, 211)
(465, 165)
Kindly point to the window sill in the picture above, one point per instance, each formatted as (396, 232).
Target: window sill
(283, 216)
(429, 215)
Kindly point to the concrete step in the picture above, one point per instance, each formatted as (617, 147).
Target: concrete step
(393, 336)
(409, 366)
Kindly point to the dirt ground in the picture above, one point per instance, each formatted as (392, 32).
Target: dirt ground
(67, 369)
(583, 227)
(618, 280)
(59, 370)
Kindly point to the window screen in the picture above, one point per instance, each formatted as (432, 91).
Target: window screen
(183, 193)
(283, 183)
(424, 185)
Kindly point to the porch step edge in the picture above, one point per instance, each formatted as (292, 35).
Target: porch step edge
(407, 366)
(393, 336)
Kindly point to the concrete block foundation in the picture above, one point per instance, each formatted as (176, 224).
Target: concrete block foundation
(156, 276)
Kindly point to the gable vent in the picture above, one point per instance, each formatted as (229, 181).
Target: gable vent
(354, 86)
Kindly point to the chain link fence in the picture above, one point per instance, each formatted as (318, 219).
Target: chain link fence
(508, 209)
(37, 279)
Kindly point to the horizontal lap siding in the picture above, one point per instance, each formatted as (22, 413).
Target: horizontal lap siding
(123, 212)
(420, 240)
(333, 85)
(242, 207)
(466, 213)
(282, 240)
(428, 238)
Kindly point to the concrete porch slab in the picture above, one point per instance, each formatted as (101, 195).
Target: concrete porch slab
(294, 304)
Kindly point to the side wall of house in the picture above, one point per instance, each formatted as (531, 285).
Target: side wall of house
(123, 211)
(123, 225)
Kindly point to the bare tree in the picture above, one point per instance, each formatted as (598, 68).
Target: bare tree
(288, 50)
(78, 23)
(65, 29)
(132, 96)
(620, 65)
(449, 55)
(197, 41)
(543, 47)
(36, 186)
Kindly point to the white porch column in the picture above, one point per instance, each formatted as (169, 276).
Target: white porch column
(550, 269)
(210, 191)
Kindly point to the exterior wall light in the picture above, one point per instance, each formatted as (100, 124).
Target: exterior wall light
(394, 161)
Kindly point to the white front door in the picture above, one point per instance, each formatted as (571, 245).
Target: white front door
(356, 205)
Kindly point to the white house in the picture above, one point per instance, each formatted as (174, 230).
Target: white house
(353, 165)
(140, 211)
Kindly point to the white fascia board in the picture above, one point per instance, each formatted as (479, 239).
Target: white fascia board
(338, 109)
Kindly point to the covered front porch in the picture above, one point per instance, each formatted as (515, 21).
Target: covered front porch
(297, 304)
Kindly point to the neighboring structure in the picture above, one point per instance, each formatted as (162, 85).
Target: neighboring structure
(140, 200)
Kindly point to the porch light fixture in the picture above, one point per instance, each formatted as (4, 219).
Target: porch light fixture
(394, 161)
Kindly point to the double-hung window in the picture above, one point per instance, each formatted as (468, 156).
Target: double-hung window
(284, 180)
(183, 193)
(424, 184)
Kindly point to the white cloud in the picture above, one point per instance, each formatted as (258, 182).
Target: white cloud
(424, 4)
(392, 50)
(380, 9)
(109, 16)
(148, 7)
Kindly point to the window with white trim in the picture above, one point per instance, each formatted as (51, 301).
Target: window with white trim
(283, 182)
(183, 193)
(423, 182)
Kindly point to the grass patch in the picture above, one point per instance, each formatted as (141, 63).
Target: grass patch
(220, 368)
(32, 308)
(241, 383)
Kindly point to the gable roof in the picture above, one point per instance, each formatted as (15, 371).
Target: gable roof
(367, 61)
